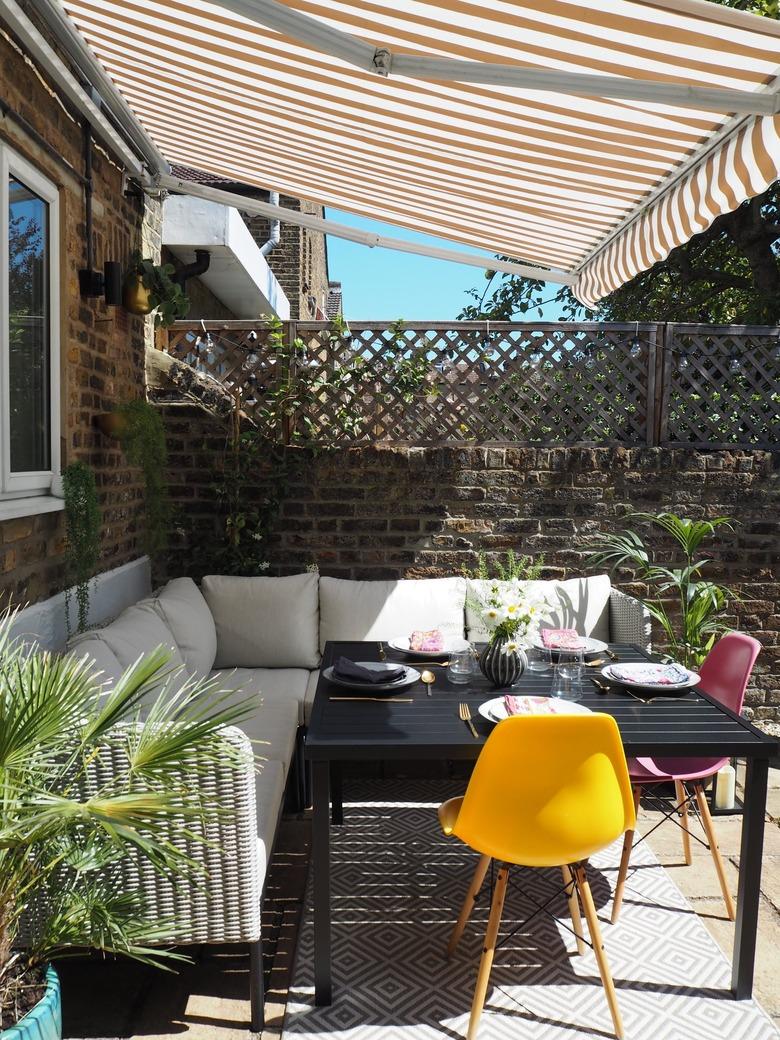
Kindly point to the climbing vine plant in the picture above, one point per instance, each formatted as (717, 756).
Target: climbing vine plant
(82, 526)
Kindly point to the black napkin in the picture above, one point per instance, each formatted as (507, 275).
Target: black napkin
(368, 671)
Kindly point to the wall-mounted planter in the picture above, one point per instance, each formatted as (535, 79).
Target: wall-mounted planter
(44, 1021)
(111, 424)
(136, 298)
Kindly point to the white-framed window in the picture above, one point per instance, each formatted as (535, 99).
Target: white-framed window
(29, 330)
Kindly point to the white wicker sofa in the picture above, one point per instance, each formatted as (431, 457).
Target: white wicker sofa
(263, 638)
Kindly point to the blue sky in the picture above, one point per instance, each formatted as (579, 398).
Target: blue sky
(382, 284)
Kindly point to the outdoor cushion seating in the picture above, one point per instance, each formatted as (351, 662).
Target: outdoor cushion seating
(261, 639)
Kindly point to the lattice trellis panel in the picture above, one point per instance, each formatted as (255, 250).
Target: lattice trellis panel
(722, 386)
(473, 382)
(431, 382)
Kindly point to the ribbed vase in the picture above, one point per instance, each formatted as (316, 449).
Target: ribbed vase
(502, 669)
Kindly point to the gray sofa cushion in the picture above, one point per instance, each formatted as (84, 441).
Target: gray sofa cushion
(264, 622)
(311, 689)
(270, 795)
(182, 607)
(272, 728)
(136, 632)
(102, 658)
(272, 685)
(384, 609)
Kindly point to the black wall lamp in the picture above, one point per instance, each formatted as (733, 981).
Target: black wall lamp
(92, 283)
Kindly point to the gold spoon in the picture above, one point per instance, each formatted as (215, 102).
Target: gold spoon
(429, 679)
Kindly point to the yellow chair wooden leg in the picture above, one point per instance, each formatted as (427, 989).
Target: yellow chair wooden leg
(486, 963)
(625, 858)
(598, 947)
(574, 908)
(717, 859)
(468, 903)
(682, 803)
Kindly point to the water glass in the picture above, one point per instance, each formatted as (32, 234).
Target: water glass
(566, 676)
(539, 659)
(461, 666)
(571, 663)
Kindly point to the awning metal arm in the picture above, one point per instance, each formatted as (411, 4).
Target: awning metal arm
(366, 238)
(351, 49)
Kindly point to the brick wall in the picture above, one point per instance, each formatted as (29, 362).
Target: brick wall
(299, 261)
(379, 512)
(102, 348)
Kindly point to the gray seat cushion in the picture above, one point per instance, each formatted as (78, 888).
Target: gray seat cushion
(269, 785)
(274, 685)
(311, 689)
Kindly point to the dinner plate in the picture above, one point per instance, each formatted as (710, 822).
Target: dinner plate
(658, 688)
(451, 646)
(409, 678)
(589, 646)
(494, 710)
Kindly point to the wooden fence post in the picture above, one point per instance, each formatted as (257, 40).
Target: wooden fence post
(663, 382)
(289, 421)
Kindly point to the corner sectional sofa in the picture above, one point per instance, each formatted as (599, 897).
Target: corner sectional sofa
(262, 639)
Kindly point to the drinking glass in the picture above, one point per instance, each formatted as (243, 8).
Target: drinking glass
(566, 676)
(461, 666)
(570, 663)
(538, 659)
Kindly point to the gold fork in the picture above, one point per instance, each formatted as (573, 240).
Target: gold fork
(464, 714)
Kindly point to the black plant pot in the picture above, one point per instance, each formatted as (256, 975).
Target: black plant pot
(499, 668)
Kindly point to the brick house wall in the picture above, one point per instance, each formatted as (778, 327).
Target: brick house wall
(102, 348)
(300, 262)
(391, 512)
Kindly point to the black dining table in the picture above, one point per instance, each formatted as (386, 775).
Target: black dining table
(428, 728)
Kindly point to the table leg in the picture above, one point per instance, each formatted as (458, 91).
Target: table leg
(320, 852)
(749, 889)
(336, 794)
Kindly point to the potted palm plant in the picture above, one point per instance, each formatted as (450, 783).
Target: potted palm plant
(61, 831)
(688, 607)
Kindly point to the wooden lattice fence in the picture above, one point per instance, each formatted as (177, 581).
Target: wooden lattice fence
(548, 383)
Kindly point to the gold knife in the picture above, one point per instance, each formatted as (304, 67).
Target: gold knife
(385, 700)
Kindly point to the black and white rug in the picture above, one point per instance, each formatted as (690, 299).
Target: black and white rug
(398, 884)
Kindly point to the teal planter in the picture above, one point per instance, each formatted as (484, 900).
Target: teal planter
(44, 1021)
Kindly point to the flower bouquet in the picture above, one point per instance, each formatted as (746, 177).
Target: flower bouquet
(511, 611)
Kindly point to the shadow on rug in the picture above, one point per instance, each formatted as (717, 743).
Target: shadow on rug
(397, 887)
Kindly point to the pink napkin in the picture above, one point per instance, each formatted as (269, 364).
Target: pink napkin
(562, 639)
(652, 674)
(531, 705)
(430, 642)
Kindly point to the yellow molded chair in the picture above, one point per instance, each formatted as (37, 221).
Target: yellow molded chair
(547, 791)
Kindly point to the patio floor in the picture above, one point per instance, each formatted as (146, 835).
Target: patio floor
(206, 1000)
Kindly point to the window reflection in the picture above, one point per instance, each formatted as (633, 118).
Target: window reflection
(28, 297)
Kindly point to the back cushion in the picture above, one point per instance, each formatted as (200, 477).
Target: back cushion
(136, 632)
(385, 609)
(184, 610)
(579, 603)
(102, 660)
(264, 622)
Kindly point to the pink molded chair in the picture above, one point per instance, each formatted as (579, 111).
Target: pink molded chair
(724, 676)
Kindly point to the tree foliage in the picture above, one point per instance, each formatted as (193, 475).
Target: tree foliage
(728, 274)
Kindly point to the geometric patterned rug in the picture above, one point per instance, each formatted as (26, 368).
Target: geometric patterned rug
(398, 884)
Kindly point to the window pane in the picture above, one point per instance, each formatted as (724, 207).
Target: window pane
(28, 358)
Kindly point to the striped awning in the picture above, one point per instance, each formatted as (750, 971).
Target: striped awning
(594, 186)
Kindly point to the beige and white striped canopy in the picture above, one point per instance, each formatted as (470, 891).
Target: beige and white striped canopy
(593, 186)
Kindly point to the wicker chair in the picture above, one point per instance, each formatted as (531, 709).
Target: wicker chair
(629, 620)
(223, 904)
